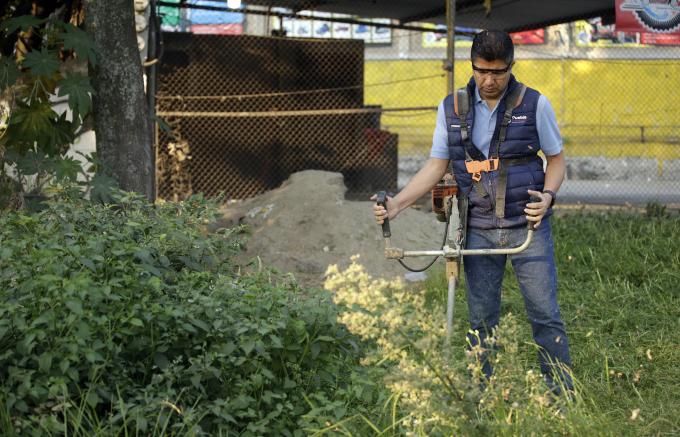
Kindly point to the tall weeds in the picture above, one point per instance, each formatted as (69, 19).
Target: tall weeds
(438, 389)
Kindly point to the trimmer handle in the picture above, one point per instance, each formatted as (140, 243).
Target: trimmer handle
(532, 225)
(382, 201)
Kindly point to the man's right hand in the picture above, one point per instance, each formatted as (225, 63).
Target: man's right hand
(381, 213)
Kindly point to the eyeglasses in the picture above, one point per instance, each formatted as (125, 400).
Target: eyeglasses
(493, 72)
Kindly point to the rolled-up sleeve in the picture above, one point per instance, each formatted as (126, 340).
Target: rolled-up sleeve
(440, 148)
(548, 130)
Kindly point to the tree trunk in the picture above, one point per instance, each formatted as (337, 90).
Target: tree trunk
(121, 119)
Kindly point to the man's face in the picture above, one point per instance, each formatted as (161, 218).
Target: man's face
(491, 77)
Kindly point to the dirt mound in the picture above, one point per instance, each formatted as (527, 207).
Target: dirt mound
(306, 225)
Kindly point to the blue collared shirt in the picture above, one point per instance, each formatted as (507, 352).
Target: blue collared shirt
(485, 123)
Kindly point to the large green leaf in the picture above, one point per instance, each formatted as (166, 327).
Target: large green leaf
(9, 73)
(33, 122)
(23, 22)
(101, 187)
(42, 63)
(66, 168)
(60, 135)
(79, 90)
(30, 162)
(79, 41)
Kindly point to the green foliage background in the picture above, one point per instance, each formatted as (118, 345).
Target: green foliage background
(128, 317)
(37, 137)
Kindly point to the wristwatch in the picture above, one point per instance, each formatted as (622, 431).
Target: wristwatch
(553, 196)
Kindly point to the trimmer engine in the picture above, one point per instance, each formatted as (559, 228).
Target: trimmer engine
(445, 188)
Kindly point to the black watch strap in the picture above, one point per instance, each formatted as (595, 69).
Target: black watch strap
(553, 196)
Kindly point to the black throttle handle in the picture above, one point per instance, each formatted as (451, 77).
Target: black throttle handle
(382, 201)
(535, 199)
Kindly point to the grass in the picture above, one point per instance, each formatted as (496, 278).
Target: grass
(619, 285)
(619, 279)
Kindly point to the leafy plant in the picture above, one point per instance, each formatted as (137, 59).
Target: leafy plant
(128, 319)
(439, 390)
(36, 137)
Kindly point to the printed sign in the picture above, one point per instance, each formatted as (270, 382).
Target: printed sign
(437, 38)
(648, 16)
(593, 33)
(528, 37)
(216, 22)
(371, 33)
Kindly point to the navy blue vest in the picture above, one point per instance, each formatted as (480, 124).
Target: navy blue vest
(521, 142)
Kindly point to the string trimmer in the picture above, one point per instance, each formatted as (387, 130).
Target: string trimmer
(445, 205)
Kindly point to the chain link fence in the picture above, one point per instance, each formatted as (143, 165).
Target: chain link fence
(250, 98)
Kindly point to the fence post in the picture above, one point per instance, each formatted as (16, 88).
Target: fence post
(450, 42)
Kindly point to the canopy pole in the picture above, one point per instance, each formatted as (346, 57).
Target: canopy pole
(450, 43)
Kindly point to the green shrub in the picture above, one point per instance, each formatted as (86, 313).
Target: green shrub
(126, 318)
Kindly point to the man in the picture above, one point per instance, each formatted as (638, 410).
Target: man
(492, 145)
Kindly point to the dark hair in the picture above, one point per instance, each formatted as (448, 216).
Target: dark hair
(491, 45)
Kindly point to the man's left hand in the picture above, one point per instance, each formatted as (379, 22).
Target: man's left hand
(535, 211)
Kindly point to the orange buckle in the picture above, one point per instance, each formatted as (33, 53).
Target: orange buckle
(477, 167)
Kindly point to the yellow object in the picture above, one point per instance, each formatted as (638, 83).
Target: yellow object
(612, 108)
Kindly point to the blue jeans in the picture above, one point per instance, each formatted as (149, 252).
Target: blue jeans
(537, 277)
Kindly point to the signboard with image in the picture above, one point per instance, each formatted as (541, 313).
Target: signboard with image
(654, 21)
(438, 37)
(593, 33)
(214, 21)
(322, 29)
(528, 37)
(381, 35)
(317, 27)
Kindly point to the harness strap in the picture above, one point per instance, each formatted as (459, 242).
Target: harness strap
(475, 167)
(513, 100)
(503, 181)
(461, 103)
(463, 214)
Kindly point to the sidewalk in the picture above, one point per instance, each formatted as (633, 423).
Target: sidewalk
(619, 192)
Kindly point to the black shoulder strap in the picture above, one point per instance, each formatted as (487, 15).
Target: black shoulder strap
(462, 110)
(463, 105)
(513, 100)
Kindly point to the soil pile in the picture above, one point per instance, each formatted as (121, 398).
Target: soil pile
(306, 225)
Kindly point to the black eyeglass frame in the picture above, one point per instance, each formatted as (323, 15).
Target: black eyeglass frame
(493, 72)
